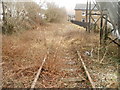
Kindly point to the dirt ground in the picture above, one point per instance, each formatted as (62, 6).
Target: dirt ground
(23, 54)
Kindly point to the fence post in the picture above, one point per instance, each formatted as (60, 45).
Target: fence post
(106, 29)
(101, 28)
(89, 17)
(119, 43)
(4, 18)
(119, 28)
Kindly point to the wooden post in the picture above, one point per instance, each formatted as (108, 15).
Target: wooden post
(87, 16)
(119, 28)
(106, 31)
(4, 18)
(119, 43)
(119, 48)
(119, 62)
(101, 28)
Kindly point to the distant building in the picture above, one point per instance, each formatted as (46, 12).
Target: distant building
(80, 13)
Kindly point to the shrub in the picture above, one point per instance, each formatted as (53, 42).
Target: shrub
(55, 13)
(20, 16)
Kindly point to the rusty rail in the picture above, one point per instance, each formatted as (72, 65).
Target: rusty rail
(38, 73)
(85, 68)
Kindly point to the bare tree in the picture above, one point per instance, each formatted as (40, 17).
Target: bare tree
(19, 16)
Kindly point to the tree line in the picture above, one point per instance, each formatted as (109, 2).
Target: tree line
(18, 16)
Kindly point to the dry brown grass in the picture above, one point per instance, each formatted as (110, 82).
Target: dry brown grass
(23, 53)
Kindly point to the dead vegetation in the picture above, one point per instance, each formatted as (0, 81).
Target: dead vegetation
(21, 16)
(23, 55)
(29, 35)
(55, 13)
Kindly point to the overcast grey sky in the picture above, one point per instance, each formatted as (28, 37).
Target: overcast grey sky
(68, 4)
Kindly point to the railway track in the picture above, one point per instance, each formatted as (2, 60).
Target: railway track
(77, 74)
(75, 70)
(85, 68)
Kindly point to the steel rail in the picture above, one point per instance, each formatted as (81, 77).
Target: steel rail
(85, 68)
(38, 73)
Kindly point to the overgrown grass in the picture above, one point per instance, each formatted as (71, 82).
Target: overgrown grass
(23, 53)
(26, 51)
